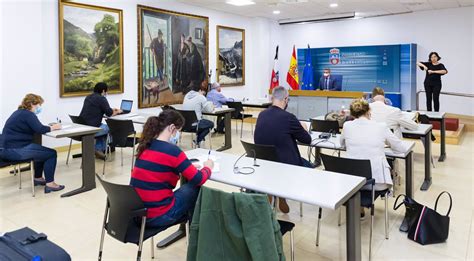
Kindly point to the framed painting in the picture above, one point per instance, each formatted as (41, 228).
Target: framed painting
(230, 56)
(172, 55)
(90, 48)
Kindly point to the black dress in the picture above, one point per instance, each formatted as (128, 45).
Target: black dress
(433, 84)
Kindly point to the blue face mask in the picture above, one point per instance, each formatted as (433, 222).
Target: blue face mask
(174, 139)
(38, 110)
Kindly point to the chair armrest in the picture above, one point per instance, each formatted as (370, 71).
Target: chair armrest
(139, 212)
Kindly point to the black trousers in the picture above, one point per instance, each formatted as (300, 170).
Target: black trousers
(432, 93)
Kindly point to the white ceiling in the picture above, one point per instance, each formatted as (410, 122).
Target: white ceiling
(300, 9)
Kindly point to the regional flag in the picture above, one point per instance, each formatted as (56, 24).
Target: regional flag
(308, 82)
(275, 81)
(292, 75)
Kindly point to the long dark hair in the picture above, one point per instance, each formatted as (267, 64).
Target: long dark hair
(155, 125)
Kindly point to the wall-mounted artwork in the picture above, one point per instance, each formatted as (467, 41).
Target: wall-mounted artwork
(172, 55)
(230, 56)
(91, 49)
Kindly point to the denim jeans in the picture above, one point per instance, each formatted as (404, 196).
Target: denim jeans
(44, 159)
(204, 127)
(185, 200)
(101, 137)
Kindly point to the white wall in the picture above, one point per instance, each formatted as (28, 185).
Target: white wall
(449, 32)
(30, 58)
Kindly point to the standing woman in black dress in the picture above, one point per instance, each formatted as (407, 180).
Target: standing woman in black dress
(434, 69)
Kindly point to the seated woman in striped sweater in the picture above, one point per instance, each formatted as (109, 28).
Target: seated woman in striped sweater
(159, 166)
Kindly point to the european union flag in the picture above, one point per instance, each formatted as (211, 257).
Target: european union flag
(307, 83)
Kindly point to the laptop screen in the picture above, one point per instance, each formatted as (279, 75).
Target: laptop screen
(126, 105)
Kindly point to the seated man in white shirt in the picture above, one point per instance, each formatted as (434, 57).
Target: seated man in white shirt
(392, 116)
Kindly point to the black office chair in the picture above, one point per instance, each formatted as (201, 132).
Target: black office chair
(125, 218)
(286, 226)
(16, 167)
(191, 124)
(265, 152)
(360, 168)
(238, 115)
(325, 126)
(119, 137)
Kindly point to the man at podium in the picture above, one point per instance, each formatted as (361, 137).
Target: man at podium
(328, 82)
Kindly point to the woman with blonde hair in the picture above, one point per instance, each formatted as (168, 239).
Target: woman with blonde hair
(17, 141)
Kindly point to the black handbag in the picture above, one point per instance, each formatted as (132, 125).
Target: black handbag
(423, 224)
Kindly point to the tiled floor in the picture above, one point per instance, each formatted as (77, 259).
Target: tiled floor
(74, 223)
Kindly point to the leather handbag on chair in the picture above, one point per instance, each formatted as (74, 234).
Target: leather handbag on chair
(425, 225)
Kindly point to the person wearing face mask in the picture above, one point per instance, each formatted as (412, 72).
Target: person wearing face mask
(275, 126)
(365, 139)
(17, 141)
(94, 108)
(158, 167)
(434, 70)
(328, 82)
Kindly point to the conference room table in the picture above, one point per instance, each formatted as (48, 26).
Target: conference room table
(334, 143)
(316, 187)
(439, 117)
(87, 134)
(141, 118)
(423, 131)
(256, 104)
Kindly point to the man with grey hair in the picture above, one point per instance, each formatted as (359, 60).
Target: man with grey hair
(275, 126)
(218, 99)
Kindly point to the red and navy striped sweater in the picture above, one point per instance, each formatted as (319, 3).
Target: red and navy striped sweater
(156, 173)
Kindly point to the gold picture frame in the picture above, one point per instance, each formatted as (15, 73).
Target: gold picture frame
(90, 48)
(230, 56)
(173, 50)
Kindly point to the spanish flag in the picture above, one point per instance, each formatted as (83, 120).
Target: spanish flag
(292, 75)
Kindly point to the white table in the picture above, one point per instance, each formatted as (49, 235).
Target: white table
(87, 134)
(256, 104)
(334, 143)
(316, 187)
(438, 116)
(423, 131)
(141, 118)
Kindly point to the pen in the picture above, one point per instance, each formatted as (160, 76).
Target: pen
(209, 154)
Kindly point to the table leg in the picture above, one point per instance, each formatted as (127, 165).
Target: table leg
(353, 236)
(228, 132)
(180, 233)
(427, 182)
(409, 175)
(88, 167)
(442, 157)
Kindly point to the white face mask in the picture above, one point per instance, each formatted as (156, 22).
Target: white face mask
(326, 74)
(175, 138)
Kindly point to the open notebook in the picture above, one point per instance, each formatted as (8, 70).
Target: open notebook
(203, 157)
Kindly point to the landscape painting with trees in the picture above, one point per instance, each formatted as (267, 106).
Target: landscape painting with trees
(90, 48)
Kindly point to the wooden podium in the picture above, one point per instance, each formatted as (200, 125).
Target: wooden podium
(309, 104)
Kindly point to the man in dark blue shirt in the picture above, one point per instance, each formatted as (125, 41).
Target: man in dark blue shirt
(275, 126)
(93, 110)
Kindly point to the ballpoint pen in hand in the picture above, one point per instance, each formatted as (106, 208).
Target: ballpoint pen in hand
(209, 155)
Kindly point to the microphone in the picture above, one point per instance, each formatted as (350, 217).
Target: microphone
(244, 170)
(255, 159)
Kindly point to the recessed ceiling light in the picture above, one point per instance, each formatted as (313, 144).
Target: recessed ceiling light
(333, 5)
(240, 2)
(276, 12)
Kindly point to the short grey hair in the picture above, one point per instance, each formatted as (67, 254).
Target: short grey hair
(215, 85)
(280, 93)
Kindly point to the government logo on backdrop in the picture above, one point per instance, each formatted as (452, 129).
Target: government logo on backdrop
(334, 56)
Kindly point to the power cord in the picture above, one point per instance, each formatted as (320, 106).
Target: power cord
(244, 170)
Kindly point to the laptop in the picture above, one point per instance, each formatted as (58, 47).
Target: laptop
(126, 106)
